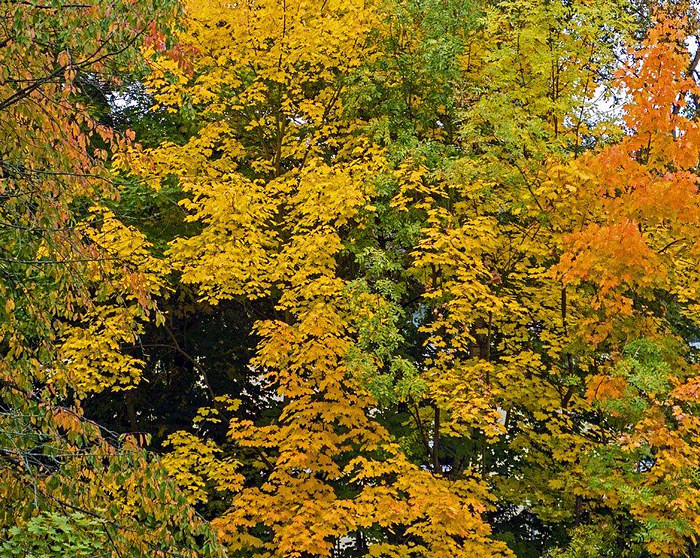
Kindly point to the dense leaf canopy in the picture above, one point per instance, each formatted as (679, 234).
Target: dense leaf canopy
(399, 278)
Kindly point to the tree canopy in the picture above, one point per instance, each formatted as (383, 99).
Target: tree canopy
(397, 278)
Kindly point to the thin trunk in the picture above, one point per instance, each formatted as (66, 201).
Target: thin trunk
(437, 468)
(131, 410)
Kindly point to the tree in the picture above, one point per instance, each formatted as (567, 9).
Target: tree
(286, 174)
(76, 284)
(637, 248)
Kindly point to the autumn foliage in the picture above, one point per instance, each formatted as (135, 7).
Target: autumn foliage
(350, 278)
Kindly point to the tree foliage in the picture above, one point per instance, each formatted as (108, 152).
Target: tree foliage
(76, 285)
(402, 278)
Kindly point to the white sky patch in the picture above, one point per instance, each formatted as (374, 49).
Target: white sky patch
(129, 97)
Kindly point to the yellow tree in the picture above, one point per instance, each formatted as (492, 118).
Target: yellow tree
(277, 174)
